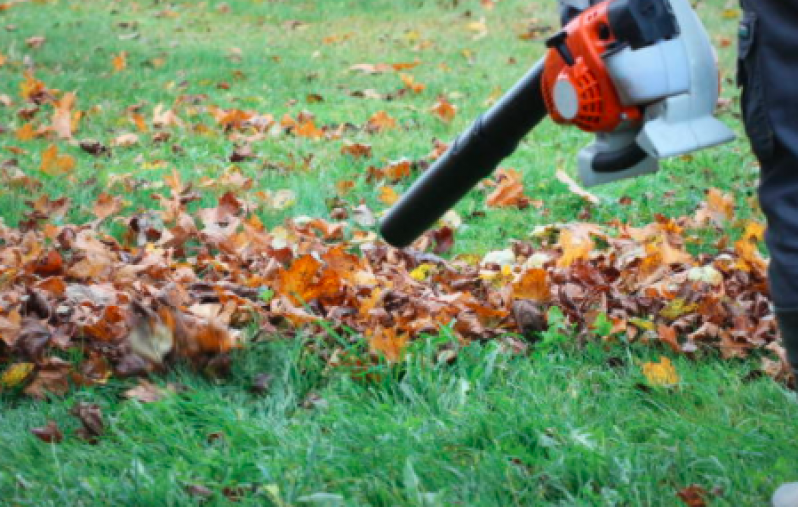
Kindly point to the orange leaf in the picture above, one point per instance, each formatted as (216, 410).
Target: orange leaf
(119, 62)
(25, 132)
(55, 164)
(380, 121)
(575, 247)
(662, 373)
(389, 343)
(718, 208)
(388, 195)
(411, 84)
(534, 285)
(509, 192)
(443, 109)
(310, 130)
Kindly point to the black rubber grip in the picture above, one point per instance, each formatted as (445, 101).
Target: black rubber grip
(619, 160)
(472, 157)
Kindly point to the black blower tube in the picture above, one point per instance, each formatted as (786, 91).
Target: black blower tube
(473, 156)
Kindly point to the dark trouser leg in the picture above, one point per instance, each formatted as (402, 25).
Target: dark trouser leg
(768, 72)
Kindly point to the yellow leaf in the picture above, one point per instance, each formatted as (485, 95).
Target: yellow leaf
(662, 373)
(388, 195)
(16, 374)
(119, 61)
(422, 272)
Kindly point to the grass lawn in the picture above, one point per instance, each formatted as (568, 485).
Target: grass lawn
(563, 425)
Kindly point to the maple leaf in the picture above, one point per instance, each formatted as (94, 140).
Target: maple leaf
(380, 121)
(55, 164)
(389, 343)
(718, 208)
(509, 192)
(576, 246)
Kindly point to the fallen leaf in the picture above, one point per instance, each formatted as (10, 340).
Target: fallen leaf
(388, 195)
(661, 373)
(575, 188)
(693, 496)
(145, 392)
(119, 61)
(16, 374)
(443, 109)
(50, 433)
(126, 140)
(91, 419)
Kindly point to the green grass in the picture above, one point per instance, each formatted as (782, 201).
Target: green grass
(563, 426)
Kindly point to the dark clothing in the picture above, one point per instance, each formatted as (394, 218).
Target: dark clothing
(768, 73)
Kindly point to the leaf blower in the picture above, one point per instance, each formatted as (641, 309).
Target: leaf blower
(640, 74)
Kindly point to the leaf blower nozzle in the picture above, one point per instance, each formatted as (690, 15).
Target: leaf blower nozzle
(474, 155)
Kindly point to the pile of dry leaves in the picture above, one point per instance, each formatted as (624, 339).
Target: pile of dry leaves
(183, 284)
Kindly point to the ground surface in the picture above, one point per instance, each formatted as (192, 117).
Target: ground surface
(562, 426)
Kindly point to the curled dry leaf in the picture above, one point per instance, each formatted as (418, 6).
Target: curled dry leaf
(91, 419)
(126, 140)
(50, 433)
(575, 188)
(145, 392)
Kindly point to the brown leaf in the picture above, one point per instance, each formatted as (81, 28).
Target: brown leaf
(106, 205)
(35, 42)
(693, 496)
(50, 433)
(94, 147)
(145, 392)
(91, 417)
(356, 150)
(530, 318)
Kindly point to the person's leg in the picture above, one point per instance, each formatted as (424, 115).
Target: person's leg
(768, 73)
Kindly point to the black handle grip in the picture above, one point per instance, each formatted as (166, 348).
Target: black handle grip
(472, 157)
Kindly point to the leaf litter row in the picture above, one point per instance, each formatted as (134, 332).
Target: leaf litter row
(183, 283)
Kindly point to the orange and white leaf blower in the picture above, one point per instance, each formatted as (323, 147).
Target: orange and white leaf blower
(640, 74)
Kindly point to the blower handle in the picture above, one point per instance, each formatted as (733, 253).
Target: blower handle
(473, 156)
